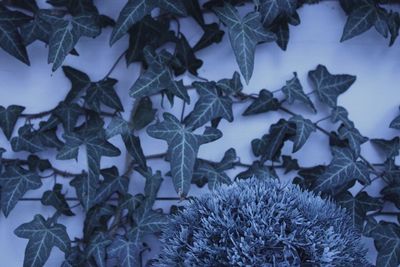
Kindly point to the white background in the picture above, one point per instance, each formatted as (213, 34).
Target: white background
(372, 101)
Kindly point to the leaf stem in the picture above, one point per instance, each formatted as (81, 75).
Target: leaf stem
(114, 65)
(322, 119)
(55, 170)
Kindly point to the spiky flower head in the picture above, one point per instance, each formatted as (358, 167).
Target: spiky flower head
(261, 223)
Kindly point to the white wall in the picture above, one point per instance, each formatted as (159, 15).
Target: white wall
(372, 101)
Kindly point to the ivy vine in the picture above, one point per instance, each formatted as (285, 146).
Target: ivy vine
(116, 222)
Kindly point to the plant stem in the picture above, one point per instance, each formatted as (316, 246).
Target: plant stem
(114, 65)
(55, 170)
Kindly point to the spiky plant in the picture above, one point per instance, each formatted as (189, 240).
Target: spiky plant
(261, 223)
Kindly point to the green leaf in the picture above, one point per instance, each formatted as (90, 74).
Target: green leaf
(281, 29)
(214, 173)
(85, 188)
(244, 35)
(358, 206)
(194, 10)
(209, 106)
(15, 182)
(8, 118)
(112, 183)
(96, 147)
(258, 170)
(360, 20)
(329, 86)
(131, 13)
(66, 33)
(395, 123)
(97, 248)
(57, 199)
(183, 146)
(174, 6)
(68, 114)
(269, 145)
(10, 39)
(340, 114)
(212, 34)
(143, 114)
(186, 56)
(271, 9)
(156, 78)
(43, 236)
(27, 140)
(79, 82)
(263, 103)
(343, 168)
(386, 237)
(231, 86)
(103, 92)
(289, 164)
(390, 148)
(147, 32)
(304, 127)
(125, 250)
(294, 92)
(354, 137)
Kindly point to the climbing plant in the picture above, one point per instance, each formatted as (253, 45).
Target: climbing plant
(116, 222)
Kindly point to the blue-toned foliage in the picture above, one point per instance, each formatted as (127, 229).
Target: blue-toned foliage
(261, 223)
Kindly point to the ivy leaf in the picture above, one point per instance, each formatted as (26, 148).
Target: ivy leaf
(354, 137)
(342, 169)
(43, 236)
(79, 82)
(97, 248)
(271, 9)
(329, 86)
(395, 124)
(10, 39)
(258, 170)
(15, 182)
(8, 118)
(144, 114)
(68, 114)
(183, 146)
(66, 33)
(103, 92)
(212, 34)
(304, 127)
(281, 29)
(194, 10)
(358, 206)
(156, 78)
(215, 173)
(290, 164)
(294, 92)
(112, 183)
(186, 56)
(386, 237)
(263, 103)
(389, 147)
(244, 35)
(27, 140)
(131, 13)
(209, 106)
(125, 250)
(96, 147)
(340, 114)
(85, 188)
(57, 199)
(146, 32)
(174, 6)
(269, 145)
(362, 18)
(231, 86)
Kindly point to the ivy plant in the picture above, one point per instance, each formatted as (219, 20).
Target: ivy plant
(117, 223)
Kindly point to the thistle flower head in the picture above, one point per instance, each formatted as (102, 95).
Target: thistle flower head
(261, 223)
